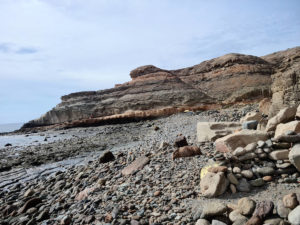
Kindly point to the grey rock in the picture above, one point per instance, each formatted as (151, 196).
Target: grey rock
(294, 216)
(244, 186)
(257, 182)
(213, 209)
(266, 171)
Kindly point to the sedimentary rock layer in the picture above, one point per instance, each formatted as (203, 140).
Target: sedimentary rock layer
(153, 92)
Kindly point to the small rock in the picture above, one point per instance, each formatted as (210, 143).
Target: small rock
(180, 141)
(66, 220)
(290, 201)
(254, 220)
(29, 204)
(257, 182)
(247, 174)
(246, 206)
(263, 209)
(232, 188)
(266, 171)
(244, 186)
(217, 222)
(202, 222)
(232, 179)
(213, 209)
(135, 166)
(107, 156)
(213, 184)
(279, 154)
(294, 156)
(282, 211)
(29, 192)
(236, 215)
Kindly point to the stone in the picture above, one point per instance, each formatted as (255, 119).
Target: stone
(285, 115)
(186, 151)
(254, 220)
(202, 222)
(247, 174)
(266, 171)
(239, 139)
(212, 209)
(240, 222)
(210, 131)
(239, 151)
(250, 125)
(213, 184)
(251, 147)
(66, 220)
(217, 222)
(232, 179)
(43, 215)
(294, 156)
(84, 194)
(246, 206)
(282, 211)
(295, 138)
(261, 143)
(294, 216)
(232, 188)
(263, 209)
(236, 215)
(257, 182)
(180, 141)
(282, 128)
(236, 170)
(298, 112)
(279, 154)
(29, 204)
(59, 185)
(217, 169)
(250, 155)
(290, 201)
(135, 166)
(275, 221)
(29, 192)
(243, 185)
(107, 156)
(250, 116)
(264, 106)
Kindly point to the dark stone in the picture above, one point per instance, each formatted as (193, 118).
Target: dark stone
(180, 142)
(8, 144)
(107, 156)
(29, 204)
(289, 138)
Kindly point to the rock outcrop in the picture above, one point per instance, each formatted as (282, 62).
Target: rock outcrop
(152, 92)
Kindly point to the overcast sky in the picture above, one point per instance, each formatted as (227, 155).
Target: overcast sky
(49, 48)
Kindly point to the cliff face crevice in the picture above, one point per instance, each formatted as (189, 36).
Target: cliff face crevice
(153, 92)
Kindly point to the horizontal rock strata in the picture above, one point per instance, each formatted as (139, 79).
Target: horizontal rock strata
(154, 92)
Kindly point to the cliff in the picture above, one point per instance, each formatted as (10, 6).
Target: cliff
(153, 92)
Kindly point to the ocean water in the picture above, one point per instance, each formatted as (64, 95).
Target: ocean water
(10, 127)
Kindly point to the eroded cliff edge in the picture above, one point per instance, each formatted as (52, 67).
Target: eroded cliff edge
(152, 92)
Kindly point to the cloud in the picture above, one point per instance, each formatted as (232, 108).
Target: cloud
(10, 48)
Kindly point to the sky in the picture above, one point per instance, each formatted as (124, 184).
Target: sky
(50, 48)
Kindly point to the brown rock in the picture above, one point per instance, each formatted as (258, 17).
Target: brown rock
(279, 154)
(186, 151)
(217, 169)
(251, 116)
(267, 178)
(135, 166)
(240, 139)
(290, 201)
(246, 206)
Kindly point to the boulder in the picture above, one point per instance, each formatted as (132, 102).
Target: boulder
(282, 128)
(288, 138)
(294, 216)
(213, 184)
(294, 156)
(250, 116)
(186, 151)
(239, 139)
(285, 115)
(135, 166)
(210, 131)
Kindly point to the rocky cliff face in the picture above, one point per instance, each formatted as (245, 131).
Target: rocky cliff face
(152, 92)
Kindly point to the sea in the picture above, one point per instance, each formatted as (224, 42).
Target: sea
(9, 127)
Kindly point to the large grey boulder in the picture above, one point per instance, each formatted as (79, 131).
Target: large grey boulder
(285, 115)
